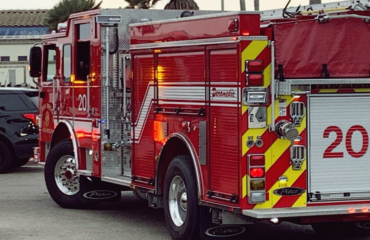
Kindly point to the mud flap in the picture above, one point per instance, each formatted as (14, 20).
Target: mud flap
(94, 190)
(210, 230)
(205, 222)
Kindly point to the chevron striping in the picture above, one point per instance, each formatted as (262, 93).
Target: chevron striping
(244, 186)
(289, 201)
(362, 89)
(328, 90)
(254, 132)
(252, 51)
(278, 148)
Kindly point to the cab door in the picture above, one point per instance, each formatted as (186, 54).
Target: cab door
(81, 80)
(49, 105)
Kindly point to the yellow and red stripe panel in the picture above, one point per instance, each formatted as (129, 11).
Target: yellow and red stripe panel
(341, 90)
(275, 150)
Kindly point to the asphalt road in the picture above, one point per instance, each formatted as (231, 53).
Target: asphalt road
(28, 212)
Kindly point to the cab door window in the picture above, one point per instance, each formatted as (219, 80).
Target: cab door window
(83, 52)
(67, 63)
(49, 62)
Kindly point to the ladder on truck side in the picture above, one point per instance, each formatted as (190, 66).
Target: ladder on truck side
(324, 8)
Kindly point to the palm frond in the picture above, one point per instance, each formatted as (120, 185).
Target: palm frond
(182, 4)
(61, 11)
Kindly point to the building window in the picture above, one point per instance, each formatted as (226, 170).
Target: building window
(22, 58)
(5, 59)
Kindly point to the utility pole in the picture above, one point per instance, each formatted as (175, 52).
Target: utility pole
(222, 5)
(256, 5)
(315, 2)
(242, 5)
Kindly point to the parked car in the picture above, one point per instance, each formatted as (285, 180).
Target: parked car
(18, 127)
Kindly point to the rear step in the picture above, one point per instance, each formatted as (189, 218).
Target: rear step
(307, 211)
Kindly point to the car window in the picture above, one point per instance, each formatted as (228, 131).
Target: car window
(12, 102)
(34, 97)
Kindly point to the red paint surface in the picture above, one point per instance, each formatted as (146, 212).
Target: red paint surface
(342, 44)
(190, 29)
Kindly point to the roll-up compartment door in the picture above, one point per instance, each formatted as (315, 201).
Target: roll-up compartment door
(339, 157)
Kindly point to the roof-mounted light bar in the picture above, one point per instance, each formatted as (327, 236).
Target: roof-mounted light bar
(107, 19)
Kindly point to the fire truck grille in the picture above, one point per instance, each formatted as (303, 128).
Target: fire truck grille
(113, 125)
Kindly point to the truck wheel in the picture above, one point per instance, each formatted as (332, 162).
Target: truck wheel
(181, 200)
(141, 195)
(19, 162)
(61, 177)
(5, 158)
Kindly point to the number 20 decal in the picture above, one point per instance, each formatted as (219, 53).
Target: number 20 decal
(82, 106)
(348, 142)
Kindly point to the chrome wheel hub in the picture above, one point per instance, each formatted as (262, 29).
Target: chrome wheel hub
(184, 201)
(65, 175)
(178, 201)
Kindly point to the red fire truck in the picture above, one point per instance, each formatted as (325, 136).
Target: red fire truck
(224, 118)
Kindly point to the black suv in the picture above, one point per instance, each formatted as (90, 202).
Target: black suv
(18, 128)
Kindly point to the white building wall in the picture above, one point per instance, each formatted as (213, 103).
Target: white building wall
(14, 47)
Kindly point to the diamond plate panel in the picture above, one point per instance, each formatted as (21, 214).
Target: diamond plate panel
(137, 15)
(289, 85)
(117, 163)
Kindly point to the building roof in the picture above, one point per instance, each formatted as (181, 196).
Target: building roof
(22, 18)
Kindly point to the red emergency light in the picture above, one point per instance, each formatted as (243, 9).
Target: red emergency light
(255, 66)
(254, 79)
(257, 172)
(233, 25)
(257, 160)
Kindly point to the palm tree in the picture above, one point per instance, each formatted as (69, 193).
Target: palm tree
(60, 12)
(143, 4)
(182, 4)
(315, 2)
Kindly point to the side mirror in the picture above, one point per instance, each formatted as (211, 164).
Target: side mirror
(35, 62)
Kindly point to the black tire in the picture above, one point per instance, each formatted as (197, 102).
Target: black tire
(19, 162)
(340, 229)
(66, 196)
(185, 224)
(5, 158)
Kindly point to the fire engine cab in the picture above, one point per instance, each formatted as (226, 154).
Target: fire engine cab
(222, 118)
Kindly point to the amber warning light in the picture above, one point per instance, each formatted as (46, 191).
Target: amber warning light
(160, 131)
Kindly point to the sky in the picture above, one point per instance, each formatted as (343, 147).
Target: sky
(230, 5)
